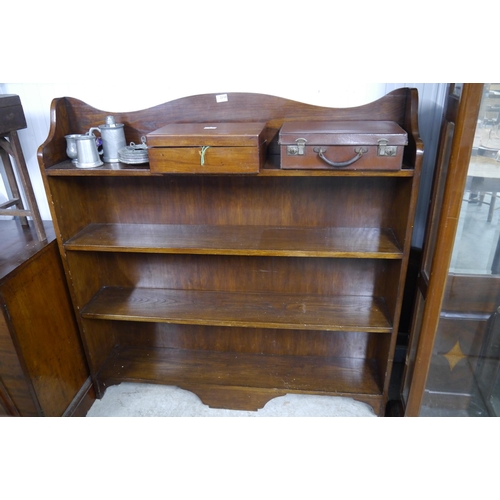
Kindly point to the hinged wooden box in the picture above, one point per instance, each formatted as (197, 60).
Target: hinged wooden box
(207, 148)
(349, 145)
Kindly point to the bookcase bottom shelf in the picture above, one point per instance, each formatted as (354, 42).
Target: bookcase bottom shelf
(244, 381)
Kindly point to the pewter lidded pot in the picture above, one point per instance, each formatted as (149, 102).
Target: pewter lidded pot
(113, 138)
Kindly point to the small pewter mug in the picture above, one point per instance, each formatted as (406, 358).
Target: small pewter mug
(87, 154)
(113, 138)
(71, 146)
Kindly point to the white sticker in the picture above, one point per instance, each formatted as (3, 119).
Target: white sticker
(221, 98)
(209, 128)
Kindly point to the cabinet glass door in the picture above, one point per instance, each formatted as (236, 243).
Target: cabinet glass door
(463, 369)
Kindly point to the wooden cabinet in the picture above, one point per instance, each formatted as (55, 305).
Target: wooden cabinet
(43, 371)
(239, 288)
(453, 357)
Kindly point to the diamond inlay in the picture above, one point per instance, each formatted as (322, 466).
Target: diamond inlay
(454, 355)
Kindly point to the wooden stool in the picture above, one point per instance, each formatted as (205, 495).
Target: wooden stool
(12, 119)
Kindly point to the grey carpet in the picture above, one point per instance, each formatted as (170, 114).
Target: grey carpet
(150, 400)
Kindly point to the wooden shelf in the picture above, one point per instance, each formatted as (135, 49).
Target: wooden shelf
(291, 373)
(238, 240)
(68, 169)
(258, 310)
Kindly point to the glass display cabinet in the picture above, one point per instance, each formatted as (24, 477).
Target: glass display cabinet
(453, 359)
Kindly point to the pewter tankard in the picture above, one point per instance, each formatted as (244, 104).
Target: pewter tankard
(113, 138)
(87, 154)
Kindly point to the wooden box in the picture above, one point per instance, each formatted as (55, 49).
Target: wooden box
(11, 114)
(349, 145)
(207, 148)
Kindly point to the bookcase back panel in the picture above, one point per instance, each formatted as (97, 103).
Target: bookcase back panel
(318, 276)
(296, 201)
(357, 345)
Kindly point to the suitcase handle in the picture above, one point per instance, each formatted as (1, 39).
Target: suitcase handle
(359, 153)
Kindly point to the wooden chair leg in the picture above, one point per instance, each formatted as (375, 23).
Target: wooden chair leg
(15, 194)
(13, 148)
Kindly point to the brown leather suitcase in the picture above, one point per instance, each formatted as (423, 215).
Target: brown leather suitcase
(207, 148)
(348, 145)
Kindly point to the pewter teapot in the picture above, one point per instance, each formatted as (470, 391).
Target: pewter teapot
(113, 138)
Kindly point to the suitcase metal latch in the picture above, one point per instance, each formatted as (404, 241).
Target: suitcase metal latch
(385, 150)
(298, 150)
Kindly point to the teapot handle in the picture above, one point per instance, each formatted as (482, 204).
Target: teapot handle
(98, 141)
(92, 129)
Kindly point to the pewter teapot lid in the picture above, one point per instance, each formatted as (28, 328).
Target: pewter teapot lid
(110, 123)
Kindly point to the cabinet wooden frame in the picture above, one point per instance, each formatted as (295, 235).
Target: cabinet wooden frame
(239, 288)
(458, 127)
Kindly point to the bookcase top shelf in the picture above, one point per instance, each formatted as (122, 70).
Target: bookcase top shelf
(67, 169)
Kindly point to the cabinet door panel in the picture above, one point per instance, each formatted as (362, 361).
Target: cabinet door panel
(16, 395)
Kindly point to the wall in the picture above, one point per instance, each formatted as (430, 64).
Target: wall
(36, 99)
(119, 55)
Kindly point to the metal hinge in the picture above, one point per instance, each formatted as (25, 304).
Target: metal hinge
(298, 150)
(385, 150)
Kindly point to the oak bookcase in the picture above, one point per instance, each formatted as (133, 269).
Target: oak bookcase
(239, 288)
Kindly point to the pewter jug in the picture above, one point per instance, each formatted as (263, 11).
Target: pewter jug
(87, 154)
(113, 138)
